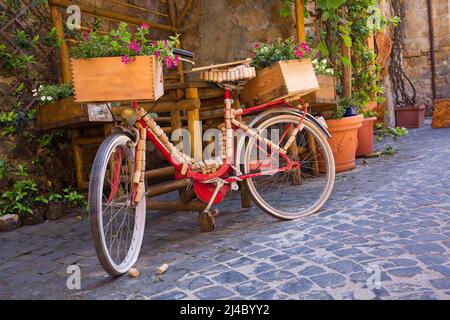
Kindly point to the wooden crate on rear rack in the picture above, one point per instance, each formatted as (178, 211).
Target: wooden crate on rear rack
(323, 99)
(282, 80)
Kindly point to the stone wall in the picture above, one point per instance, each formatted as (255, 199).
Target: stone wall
(417, 44)
(223, 31)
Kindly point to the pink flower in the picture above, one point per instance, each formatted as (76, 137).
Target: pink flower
(133, 45)
(158, 53)
(169, 63)
(145, 26)
(86, 35)
(299, 54)
(256, 45)
(125, 59)
(317, 55)
(305, 47)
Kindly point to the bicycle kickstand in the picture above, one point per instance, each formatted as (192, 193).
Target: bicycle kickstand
(207, 217)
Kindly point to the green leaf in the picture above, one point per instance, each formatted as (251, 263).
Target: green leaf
(346, 61)
(322, 47)
(347, 40)
(329, 4)
(326, 15)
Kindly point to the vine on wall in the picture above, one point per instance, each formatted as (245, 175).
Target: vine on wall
(349, 23)
(30, 168)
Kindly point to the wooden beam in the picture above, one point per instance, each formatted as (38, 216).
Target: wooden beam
(84, 141)
(167, 187)
(184, 12)
(113, 15)
(172, 12)
(176, 206)
(165, 106)
(57, 20)
(300, 18)
(160, 173)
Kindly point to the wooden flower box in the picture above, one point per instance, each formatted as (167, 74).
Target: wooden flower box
(109, 79)
(282, 80)
(66, 113)
(326, 94)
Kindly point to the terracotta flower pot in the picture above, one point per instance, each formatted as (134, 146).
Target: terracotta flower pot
(344, 141)
(365, 137)
(410, 116)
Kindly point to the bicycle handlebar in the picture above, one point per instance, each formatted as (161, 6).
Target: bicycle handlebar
(183, 53)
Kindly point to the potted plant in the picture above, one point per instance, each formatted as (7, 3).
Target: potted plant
(344, 136)
(365, 134)
(284, 69)
(410, 116)
(120, 65)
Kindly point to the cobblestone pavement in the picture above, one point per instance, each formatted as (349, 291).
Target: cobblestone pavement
(390, 215)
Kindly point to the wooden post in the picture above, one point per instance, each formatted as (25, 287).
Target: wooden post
(194, 127)
(78, 158)
(301, 35)
(184, 12)
(57, 20)
(172, 12)
(300, 18)
(245, 198)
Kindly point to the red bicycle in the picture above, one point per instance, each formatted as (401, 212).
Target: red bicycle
(282, 157)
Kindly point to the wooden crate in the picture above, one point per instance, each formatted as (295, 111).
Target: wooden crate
(68, 114)
(109, 79)
(279, 81)
(326, 94)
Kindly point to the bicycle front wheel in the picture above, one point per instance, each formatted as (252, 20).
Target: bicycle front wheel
(117, 226)
(303, 189)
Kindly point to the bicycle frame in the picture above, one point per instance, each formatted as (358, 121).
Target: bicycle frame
(197, 176)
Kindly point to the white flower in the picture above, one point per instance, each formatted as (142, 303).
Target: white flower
(324, 61)
(49, 98)
(35, 94)
(34, 90)
(43, 98)
(315, 61)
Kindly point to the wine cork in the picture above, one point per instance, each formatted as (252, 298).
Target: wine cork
(162, 269)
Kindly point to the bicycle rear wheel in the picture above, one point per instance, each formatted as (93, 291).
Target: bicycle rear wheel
(300, 191)
(117, 227)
